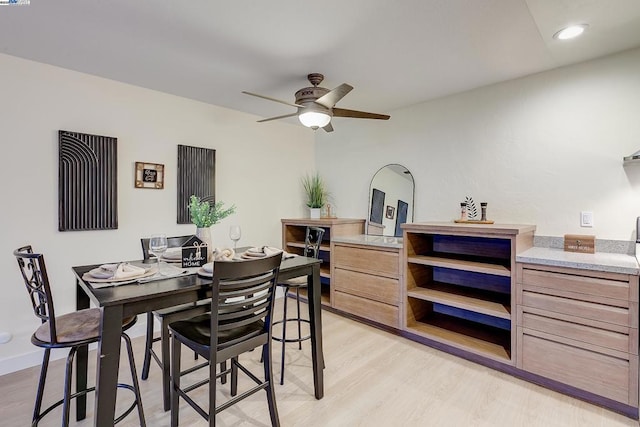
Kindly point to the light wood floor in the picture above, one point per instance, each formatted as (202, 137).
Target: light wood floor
(372, 378)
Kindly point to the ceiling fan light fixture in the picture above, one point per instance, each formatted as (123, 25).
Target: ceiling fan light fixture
(570, 32)
(314, 119)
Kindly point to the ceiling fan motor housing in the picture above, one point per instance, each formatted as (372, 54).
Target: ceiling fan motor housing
(307, 97)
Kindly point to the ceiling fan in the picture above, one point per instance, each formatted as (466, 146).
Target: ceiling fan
(316, 105)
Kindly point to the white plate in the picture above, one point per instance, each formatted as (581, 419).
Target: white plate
(204, 273)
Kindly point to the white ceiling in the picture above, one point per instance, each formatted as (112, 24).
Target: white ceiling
(395, 53)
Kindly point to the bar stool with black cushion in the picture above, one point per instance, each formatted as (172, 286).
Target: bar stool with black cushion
(71, 331)
(312, 242)
(239, 321)
(166, 316)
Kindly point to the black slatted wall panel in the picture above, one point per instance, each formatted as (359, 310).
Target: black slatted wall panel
(196, 175)
(87, 182)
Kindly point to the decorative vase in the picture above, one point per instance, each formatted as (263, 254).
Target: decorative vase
(204, 234)
(314, 213)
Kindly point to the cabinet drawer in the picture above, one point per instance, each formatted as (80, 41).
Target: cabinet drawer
(369, 286)
(367, 260)
(372, 310)
(599, 335)
(597, 373)
(593, 286)
(579, 308)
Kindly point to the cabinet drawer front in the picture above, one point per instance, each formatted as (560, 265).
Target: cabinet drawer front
(369, 286)
(588, 310)
(378, 261)
(574, 283)
(594, 372)
(372, 310)
(575, 331)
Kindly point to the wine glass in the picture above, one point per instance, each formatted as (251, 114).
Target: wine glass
(234, 234)
(158, 245)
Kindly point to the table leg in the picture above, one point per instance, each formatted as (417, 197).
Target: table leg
(314, 289)
(82, 302)
(108, 365)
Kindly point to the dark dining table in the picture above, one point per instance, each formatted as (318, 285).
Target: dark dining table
(117, 302)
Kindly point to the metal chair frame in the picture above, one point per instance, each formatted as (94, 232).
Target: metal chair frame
(166, 316)
(239, 321)
(36, 280)
(312, 242)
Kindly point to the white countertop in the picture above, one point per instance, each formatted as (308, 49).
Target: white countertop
(365, 239)
(600, 261)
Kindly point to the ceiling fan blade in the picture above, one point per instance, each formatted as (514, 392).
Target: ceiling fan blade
(341, 112)
(279, 117)
(328, 128)
(272, 99)
(329, 99)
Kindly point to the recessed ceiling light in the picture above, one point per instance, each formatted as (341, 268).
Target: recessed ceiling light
(570, 32)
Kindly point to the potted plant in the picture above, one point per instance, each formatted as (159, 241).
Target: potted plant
(316, 193)
(204, 214)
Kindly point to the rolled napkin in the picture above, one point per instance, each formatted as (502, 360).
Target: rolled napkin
(173, 253)
(225, 254)
(117, 271)
(263, 251)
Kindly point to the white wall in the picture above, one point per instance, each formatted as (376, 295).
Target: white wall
(258, 168)
(538, 149)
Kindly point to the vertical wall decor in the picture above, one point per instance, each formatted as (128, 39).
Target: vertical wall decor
(87, 182)
(196, 175)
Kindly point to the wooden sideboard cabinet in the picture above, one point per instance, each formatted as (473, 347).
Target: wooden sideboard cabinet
(460, 285)
(366, 282)
(293, 232)
(580, 328)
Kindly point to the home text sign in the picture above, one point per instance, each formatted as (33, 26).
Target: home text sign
(194, 253)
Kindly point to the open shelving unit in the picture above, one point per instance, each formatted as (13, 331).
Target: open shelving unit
(460, 282)
(293, 233)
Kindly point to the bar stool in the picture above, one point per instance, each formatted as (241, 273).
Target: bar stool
(312, 241)
(71, 331)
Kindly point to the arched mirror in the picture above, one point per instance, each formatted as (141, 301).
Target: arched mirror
(390, 200)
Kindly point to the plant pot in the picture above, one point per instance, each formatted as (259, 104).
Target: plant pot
(204, 234)
(314, 213)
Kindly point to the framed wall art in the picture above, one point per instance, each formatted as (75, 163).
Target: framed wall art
(87, 182)
(391, 211)
(149, 175)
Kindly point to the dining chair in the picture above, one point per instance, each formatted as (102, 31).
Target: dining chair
(166, 316)
(312, 242)
(239, 321)
(71, 331)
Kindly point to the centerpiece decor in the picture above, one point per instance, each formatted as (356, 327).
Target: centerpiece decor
(316, 193)
(205, 214)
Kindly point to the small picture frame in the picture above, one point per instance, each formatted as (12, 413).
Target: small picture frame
(149, 175)
(391, 212)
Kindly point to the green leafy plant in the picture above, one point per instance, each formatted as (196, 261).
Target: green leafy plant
(205, 214)
(315, 190)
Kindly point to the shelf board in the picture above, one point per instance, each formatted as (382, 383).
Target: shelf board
(297, 244)
(457, 297)
(464, 337)
(458, 264)
(325, 270)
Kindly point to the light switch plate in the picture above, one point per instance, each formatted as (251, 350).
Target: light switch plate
(586, 219)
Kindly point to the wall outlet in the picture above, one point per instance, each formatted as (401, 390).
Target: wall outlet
(586, 219)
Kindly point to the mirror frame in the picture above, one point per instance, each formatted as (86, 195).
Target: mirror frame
(410, 214)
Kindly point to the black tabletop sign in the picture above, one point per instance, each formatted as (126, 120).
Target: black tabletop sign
(194, 253)
(149, 175)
